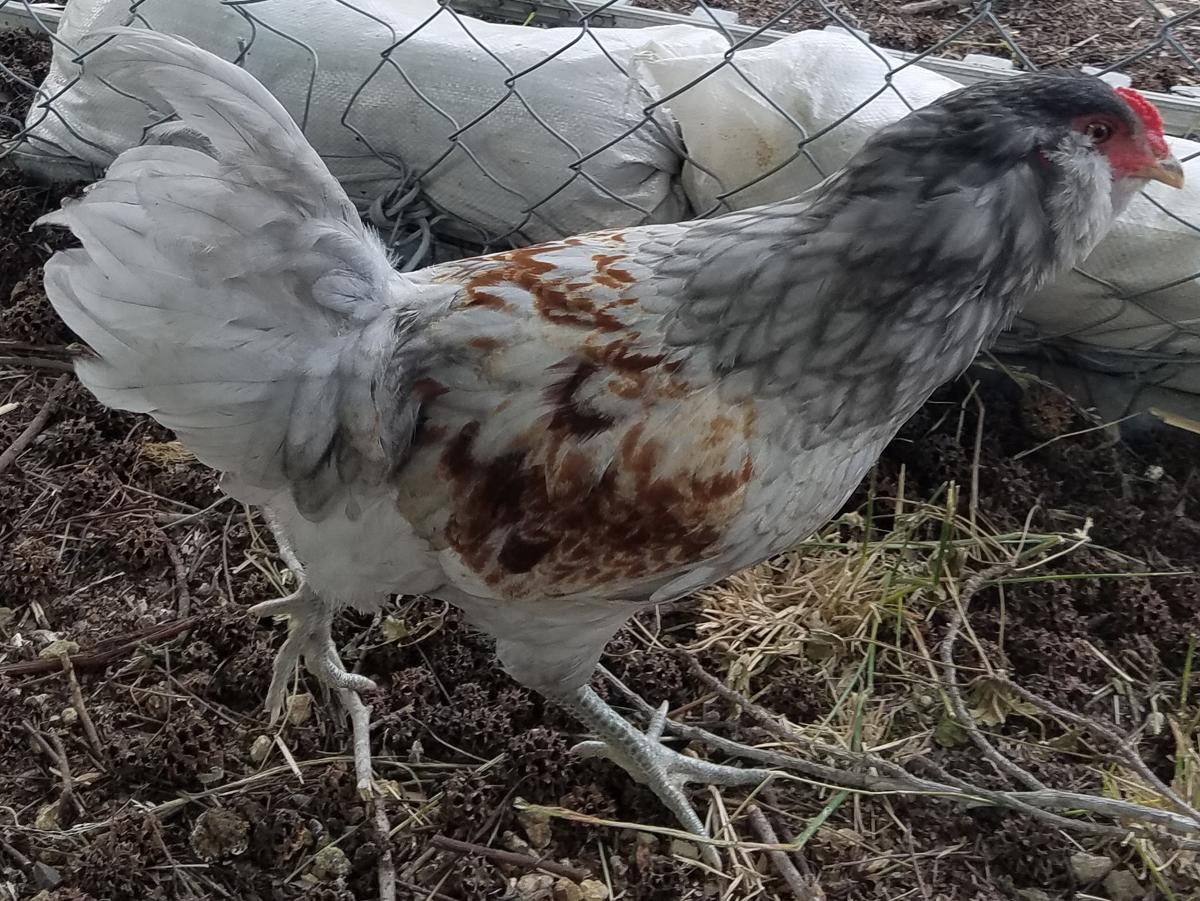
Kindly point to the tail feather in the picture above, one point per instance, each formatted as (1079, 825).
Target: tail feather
(235, 295)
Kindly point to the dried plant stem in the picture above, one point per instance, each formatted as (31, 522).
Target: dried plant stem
(801, 887)
(918, 7)
(31, 431)
(1122, 747)
(181, 586)
(950, 678)
(387, 865)
(85, 718)
(119, 648)
(863, 771)
(509, 857)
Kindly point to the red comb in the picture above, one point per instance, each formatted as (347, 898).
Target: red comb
(1150, 116)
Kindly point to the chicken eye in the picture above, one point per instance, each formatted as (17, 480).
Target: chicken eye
(1099, 132)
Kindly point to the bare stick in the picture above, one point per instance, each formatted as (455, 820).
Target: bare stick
(950, 675)
(511, 858)
(387, 866)
(426, 894)
(1123, 749)
(37, 363)
(58, 756)
(115, 650)
(21, 444)
(800, 886)
(871, 773)
(928, 6)
(85, 718)
(181, 587)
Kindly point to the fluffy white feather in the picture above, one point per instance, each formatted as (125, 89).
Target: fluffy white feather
(256, 254)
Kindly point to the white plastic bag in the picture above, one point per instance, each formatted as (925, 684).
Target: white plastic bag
(741, 122)
(386, 88)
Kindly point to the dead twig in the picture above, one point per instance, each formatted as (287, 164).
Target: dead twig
(425, 894)
(67, 802)
(511, 858)
(36, 363)
(970, 588)
(864, 771)
(928, 6)
(1122, 746)
(802, 888)
(35, 426)
(85, 718)
(387, 866)
(119, 648)
(181, 576)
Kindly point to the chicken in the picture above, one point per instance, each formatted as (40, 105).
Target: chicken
(556, 437)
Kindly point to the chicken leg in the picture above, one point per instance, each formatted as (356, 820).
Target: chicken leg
(310, 638)
(643, 756)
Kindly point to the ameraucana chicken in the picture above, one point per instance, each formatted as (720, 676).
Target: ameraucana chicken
(556, 437)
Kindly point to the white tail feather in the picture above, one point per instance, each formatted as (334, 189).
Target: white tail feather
(235, 297)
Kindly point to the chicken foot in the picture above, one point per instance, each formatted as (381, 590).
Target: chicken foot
(649, 762)
(310, 638)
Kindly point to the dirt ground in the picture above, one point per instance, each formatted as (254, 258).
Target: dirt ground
(171, 784)
(1122, 34)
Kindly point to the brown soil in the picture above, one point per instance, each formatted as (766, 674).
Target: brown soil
(172, 671)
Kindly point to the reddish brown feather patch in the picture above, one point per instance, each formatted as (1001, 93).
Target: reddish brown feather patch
(532, 521)
(572, 415)
(630, 474)
(559, 300)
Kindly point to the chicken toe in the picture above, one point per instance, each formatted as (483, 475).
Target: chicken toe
(649, 762)
(310, 638)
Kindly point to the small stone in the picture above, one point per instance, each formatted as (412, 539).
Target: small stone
(45, 876)
(1122, 885)
(1032, 894)
(537, 827)
(510, 841)
(686, 850)
(534, 887)
(261, 748)
(69, 716)
(1088, 868)
(593, 890)
(220, 833)
(566, 890)
(47, 818)
(60, 647)
(7, 616)
(330, 864)
(299, 709)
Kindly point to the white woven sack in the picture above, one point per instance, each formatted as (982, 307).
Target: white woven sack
(742, 121)
(578, 91)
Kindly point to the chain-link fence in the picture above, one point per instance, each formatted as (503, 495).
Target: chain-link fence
(464, 126)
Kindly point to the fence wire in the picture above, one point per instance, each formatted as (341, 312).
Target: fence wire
(465, 126)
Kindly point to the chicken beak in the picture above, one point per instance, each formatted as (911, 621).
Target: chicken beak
(1167, 170)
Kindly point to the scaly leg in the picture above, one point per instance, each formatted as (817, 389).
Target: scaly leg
(642, 755)
(310, 638)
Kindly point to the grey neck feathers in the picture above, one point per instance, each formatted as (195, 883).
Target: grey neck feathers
(853, 308)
